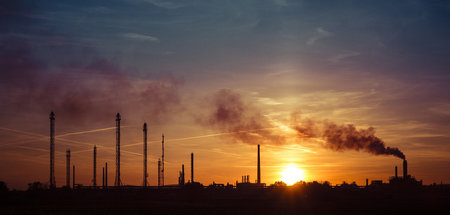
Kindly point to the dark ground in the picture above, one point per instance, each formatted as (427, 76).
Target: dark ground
(429, 200)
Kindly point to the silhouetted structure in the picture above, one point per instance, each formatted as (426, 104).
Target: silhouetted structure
(258, 180)
(106, 174)
(145, 156)
(68, 168)
(103, 177)
(73, 177)
(117, 180)
(52, 150)
(162, 161)
(396, 175)
(94, 179)
(159, 172)
(192, 167)
(181, 176)
(405, 169)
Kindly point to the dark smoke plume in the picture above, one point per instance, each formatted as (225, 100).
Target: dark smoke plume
(244, 123)
(344, 137)
(88, 90)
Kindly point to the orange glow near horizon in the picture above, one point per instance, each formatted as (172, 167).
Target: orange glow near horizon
(291, 175)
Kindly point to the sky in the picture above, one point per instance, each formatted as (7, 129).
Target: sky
(323, 86)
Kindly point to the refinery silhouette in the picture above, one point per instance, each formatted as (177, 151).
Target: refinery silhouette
(401, 194)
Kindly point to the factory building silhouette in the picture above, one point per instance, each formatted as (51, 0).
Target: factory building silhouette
(245, 182)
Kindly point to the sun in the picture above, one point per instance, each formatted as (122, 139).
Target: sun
(292, 175)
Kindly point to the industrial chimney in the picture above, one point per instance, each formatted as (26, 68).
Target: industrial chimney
(192, 167)
(106, 174)
(145, 155)
(159, 172)
(68, 168)
(73, 177)
(94, 180)
(258, 180)
(117, 180)
(405, 169)
(396, 175)
(52, 150)
(162, 161)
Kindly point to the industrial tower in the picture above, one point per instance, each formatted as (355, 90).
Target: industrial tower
(68, 168)
(258, 180)
(52, 150)
(192, 167)
(117, 181)
(159, 172)
(94, 180)
(162, 162)
(145, 155)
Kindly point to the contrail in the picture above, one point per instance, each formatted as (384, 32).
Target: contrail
(89, 131)
(200, 136)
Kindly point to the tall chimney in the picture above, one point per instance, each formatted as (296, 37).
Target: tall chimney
(94, 180)
(68, 168)
(258, 180)
(73, 177)
(52, 150)
(162, 161)
(159, 172)
(117, 180)
(106, 174)
(192, 167)
(396, 175)
(145, 155)
(182, 174)
(405, 169)
(103, 177)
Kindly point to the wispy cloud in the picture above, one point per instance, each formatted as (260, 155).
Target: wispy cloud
(341, 56)
(319, 34)
(165, 4)
(140, 37)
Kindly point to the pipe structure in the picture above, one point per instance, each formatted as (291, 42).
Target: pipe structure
(73, 177)
(145, 155)
(94, 180)
(258, 180)
(162, 161)
(52, 150)
(117, 179)
(192, 167)
(106, 174)
(68, 168)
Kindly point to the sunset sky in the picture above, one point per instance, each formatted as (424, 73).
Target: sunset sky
(219, 77)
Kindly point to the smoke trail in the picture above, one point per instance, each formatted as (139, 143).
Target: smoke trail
(244, 123)
(344, 137)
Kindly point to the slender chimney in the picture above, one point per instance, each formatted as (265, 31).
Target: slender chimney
(367, 182)
(162, 161)
(94, 180)
(192, 167)
(405, 169)
(159, 172)
(52, 150)
(258, 180)
(145, 155)
(182, 174)
(103, 177)
(68, 168)
(396, 175)
(117, 180)
(73, 177)
(106, 174)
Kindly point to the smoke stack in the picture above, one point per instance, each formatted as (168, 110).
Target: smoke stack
(367, 182)
(73, 177)
(182, 174)
(68, 168)
(162, 161)
(159, 172)
(106, 174)
(117, 180)
(192, 167)
(103, 177)
(405, 169)
(396, 176)
(52, 150)
(94, 180)
(258, 180)
(145, 155)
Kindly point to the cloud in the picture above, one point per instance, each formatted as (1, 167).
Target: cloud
(319, 34)
(345, 54)
(165, 4)
(140, 37)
